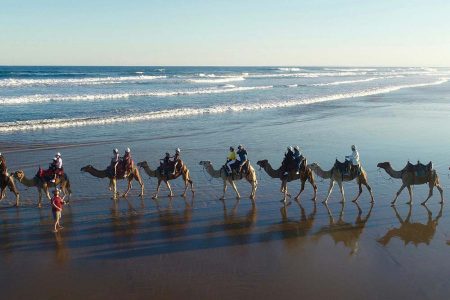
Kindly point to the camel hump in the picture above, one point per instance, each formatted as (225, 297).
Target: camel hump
(419, 169)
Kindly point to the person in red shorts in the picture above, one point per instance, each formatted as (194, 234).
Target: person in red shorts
(57, 206)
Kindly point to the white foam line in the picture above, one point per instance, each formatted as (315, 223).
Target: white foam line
(307, 75)
(218, 80)
(17, 82)
(184, 112)
(353, 81)
(30, 99)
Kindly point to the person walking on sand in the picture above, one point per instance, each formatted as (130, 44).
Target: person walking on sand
(57, 205)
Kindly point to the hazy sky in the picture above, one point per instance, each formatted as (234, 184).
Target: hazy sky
(228, 32)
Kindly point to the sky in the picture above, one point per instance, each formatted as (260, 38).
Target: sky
(225, 33)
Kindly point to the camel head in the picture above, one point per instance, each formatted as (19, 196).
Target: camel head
(205, 163)
(262, 163)
(383, 165)
(19, 174)
(86, 168)
(142, 164)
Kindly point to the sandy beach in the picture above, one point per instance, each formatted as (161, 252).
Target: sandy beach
(204, 248)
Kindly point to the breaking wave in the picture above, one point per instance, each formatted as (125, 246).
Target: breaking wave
(185, 112)
(15, 82)
(30, 99)
(214, 79)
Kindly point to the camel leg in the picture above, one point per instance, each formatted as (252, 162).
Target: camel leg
(39, 197)
(441, 192)
(285, 193)
(398, 194)
(359, 192)
(155, 195)
(302, 188)
(169, 187)
(141, 183)
(313, 184)
(370, 192)
(410, 194)
(128, 187)
(2, 193)
(192, 186)
(430, 193)
(238, 196)
(329, 191)
(254, 187)
(224, 190)
(185, 188)
(341, 188)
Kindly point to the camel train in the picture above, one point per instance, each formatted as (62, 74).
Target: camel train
(340, 172)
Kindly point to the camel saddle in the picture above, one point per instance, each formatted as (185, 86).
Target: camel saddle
(236, 170)
(169, 168)
(346, 168)
(49, 174)
(419, 169)
(121, 169)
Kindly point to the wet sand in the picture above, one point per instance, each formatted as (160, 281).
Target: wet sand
(200, 247)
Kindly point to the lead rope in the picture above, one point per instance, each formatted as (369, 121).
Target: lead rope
(385, 178)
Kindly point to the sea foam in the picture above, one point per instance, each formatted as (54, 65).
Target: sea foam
(185, 112)
(41, 98)
(20, 82)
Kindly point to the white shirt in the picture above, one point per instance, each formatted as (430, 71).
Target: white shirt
(59, 163)
(353, 158)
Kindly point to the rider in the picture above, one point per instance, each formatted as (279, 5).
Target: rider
(57, 166)
(231, 159)
(175, 159)
(288, 160)
(115, 161)
(353, 159)
(299, 159)
(128, 162)
(3, 168)
(241, 156)
(164, 164)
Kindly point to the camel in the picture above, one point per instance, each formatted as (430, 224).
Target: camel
(335, 175)
(43, 186)
(409, 178)
(415, 233)
(345, 232)
(134, 174)
(305, 174)
(182, 170)
(7, 180)
(221, 173)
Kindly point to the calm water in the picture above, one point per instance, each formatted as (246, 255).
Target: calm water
(204, 248)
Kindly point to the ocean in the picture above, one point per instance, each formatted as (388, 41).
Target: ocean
(202, 247)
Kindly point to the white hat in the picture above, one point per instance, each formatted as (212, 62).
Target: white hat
(289, 148)
(0, 154)
(58, 154)
(178, 150)
(296, 147)
(128, 150)
(116, 150)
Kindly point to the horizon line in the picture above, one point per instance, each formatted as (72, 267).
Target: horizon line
(233, 66)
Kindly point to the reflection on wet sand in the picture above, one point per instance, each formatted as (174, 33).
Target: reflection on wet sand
(61, 250)
(173, 222)
(413, 232)
(291, 231)
(238, 227)
(124, 226)
(341, 231)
